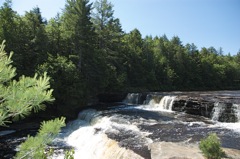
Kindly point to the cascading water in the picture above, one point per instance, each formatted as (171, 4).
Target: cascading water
(226, 112)
(132, 98)
(148, 99)
(232, 126)
(131, 131)
(217, 110)
(88, 135)
(236, 109)
(158, 103)
(166, 103)
(138, 131)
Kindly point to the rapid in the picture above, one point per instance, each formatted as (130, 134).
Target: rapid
(133, 129)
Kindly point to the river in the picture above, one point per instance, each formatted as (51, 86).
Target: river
(133, 129)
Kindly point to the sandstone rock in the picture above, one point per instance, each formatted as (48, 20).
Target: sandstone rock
(170, 150)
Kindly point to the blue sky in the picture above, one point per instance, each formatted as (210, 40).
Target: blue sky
(202, 22)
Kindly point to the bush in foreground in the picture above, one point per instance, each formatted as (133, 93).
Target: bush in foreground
(210, 147)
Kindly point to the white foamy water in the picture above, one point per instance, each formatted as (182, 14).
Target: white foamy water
(217, 110)
(109, 134)
(89, 144)
(235, 127)
(232, 126)
(236, 109)
(165, 104)
(88, 136)
(132, 98)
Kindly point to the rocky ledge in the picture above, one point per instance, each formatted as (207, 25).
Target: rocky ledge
(206, 107)
(225, 103)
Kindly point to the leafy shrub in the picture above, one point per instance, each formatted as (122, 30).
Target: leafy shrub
(210, 147)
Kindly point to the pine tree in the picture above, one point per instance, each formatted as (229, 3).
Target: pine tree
(109, 33)
(79, 30)
(19, 98)
(36, 44)
(80, 33)
(7, 23)
(34, 147)
(107, 27)
(54, 32)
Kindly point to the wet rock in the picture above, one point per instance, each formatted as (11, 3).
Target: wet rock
(9, 143)
(228, 115)
(205, 107)
(195, 106)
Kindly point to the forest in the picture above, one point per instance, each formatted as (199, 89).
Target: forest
(86, 52)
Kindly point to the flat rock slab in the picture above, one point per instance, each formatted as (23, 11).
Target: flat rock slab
(232, 153)
(170, 150)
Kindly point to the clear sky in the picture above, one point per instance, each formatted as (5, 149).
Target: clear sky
(202, 22)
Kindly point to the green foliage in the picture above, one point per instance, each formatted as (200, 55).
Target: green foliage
(69, 154)
(66, 82)
(85, 52)
(19, 98)
(35, 47)
(7, 23)
(210, 147)
(34, 147)
(6, 69)
(108, 46)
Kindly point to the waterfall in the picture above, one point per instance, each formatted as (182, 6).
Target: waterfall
(91, 144)
(87, 115)
(129, 131)
(133, 98)
(88, 136)
(148, 99)
(236, 109)
(218, 109)
(166, 103)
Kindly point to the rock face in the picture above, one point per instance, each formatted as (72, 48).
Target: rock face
(223, 106)
(217, 110)
(195, 106)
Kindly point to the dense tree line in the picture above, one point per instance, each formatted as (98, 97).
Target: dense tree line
(86, 52)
